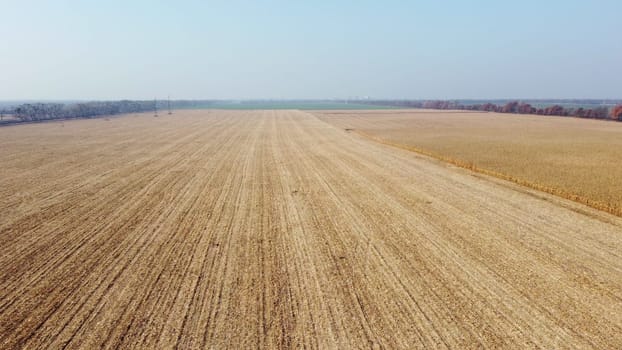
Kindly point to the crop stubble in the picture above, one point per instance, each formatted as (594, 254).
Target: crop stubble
(274, 229)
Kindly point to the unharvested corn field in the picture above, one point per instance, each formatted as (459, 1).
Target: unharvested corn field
(274, 229)
(578, 159)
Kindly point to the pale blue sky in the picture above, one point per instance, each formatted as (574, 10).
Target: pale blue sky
(314, 49)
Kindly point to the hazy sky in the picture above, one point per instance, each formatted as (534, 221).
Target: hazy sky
(312, 49)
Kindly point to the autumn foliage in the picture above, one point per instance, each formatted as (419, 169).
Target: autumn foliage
(513, 107)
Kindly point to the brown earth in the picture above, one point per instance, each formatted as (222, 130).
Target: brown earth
(273, 229)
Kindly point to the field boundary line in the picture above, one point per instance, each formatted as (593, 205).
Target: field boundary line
(608, 208)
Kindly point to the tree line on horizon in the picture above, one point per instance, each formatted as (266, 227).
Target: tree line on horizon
(517, 107)
(33, 112)
(36, 112)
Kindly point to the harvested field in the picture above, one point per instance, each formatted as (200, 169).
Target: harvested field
(274, 229)
(575, 158)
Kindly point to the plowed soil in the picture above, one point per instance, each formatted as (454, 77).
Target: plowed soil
(274, 229)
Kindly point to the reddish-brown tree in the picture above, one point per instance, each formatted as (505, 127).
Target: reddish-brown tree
(510, 107)
(489, 107)
(555, 110)
(525, 108)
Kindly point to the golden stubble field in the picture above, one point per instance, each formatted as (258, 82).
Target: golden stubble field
(576, 158)
(274, 229)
